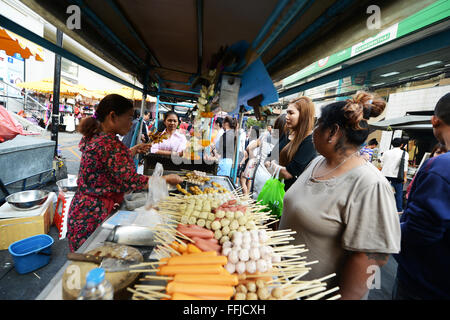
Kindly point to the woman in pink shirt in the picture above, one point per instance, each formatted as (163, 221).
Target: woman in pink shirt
(176, 143)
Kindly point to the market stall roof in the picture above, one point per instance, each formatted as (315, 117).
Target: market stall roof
(14, 44)
(66, 88)
(405, 121)
(176, 40)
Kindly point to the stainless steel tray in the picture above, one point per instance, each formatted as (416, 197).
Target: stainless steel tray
(132, 235)
(224, 181)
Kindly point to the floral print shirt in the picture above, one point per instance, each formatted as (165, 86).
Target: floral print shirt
(107, 172)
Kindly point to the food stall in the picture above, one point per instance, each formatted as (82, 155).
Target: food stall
(210, 239)
(214, 56)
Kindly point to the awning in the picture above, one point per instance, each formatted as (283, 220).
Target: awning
(12, 44)
(408, 122)
(128, 93)
(66, 88)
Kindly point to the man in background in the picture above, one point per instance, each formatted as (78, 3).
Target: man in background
(394, 164)
(424, 258)
(368, 151)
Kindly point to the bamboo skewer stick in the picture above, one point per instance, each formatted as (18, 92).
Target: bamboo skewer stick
(150, 287)
(157, 277)
(323, 294)
(143, 270)
(336, 297)
(309, 292)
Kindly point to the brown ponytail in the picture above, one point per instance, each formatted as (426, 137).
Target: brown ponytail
(89, 126)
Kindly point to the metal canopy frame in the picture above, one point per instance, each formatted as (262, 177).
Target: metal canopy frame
(279, 16)
(282, 23)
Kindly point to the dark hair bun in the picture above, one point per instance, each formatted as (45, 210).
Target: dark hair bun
(362, 107)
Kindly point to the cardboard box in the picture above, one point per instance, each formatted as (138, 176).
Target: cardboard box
(14, 229)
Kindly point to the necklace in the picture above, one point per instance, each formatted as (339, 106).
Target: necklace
(340, 164)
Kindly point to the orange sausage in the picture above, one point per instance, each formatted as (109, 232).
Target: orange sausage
(213, 298)
(174, 245)
(212, 279)
(191, 269)
(193, 249)
(182, 296)
(200, 289)
(204, 254)
(197, 260)
(182, 248)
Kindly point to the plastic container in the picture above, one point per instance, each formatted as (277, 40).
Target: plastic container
(97, 287)
(31, 253)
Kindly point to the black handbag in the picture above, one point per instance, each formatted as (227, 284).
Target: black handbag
(401, 169)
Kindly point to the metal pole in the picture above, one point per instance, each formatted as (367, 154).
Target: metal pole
(56, 87)
(237, 146)
(157, 106)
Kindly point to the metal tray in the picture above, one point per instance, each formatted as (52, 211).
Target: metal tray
(224, 181)
(132, 235)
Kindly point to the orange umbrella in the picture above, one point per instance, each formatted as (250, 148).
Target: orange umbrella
(12, 44)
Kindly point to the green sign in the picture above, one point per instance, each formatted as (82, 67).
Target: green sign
(435, 12)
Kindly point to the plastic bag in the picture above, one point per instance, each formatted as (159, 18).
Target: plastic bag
(135, 200)
(9, 127)
(272, 195)
(157, 187)
(262, 175)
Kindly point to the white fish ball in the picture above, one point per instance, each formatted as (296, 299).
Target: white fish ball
(240, 267)
(227, 244)
(250, 266)
(233, 256)
(226, 251)
(254, 254)
(243, 255)
(230, 267)
(261, 265)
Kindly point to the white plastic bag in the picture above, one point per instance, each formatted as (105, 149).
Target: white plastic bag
(157, 187)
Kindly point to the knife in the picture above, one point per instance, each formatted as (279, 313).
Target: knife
(109, 264)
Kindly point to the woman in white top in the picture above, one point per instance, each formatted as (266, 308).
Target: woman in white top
(342, 207)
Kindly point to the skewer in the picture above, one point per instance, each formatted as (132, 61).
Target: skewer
(154, 294)
(309, 292)
(150, 287)
(143, 270)
(271, 222)
(294, 279)
(336, 297)
(157, 278)
(144, 264)
(323, 294)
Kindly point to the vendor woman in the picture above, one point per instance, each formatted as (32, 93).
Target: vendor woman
(107, 170)
(176, 142)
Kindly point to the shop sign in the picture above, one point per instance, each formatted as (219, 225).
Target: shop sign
(435, 12)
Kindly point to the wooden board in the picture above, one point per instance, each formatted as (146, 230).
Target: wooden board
(74, 277)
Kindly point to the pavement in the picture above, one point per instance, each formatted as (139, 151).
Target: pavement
(15, 286)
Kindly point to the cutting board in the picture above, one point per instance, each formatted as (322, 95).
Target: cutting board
(74, 277)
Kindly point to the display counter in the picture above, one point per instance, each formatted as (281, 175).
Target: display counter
(178, 164)
(102, 236)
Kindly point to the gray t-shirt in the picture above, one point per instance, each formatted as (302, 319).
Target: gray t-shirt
(353, 212)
